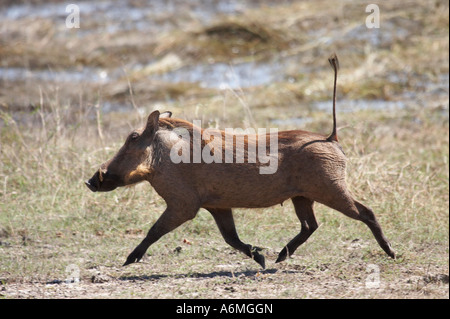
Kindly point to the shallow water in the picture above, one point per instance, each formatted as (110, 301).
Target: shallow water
(362, 104)
(226, 76)
(86, 74)
(214, 75)
(160, 16)
(154, 15)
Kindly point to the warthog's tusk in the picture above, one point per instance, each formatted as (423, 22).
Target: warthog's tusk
(100, 176)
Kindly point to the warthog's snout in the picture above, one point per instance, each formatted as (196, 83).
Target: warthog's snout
(92, 184)
(95, 181)
(102, 182)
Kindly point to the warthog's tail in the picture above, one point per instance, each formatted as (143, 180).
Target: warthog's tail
(335, 65)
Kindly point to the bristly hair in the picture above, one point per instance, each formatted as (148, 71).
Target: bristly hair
(334, 62)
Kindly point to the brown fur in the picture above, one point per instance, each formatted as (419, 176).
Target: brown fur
(311, 168)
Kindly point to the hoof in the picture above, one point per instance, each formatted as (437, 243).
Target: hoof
(260, 260)
(256, 256)
(282, 255)
(392, 254)
(134, 257)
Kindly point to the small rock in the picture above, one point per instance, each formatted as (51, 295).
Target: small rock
(5, 243)
(443, 278)
(100, 278)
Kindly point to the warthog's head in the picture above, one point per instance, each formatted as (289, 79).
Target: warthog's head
(132, 163)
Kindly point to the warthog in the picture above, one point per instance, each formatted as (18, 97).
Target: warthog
(310, 168)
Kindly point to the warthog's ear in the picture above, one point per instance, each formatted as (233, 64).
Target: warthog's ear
(152, 124)
(165, 115)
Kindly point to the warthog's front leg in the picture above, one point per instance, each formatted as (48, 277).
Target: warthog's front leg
(169, 220)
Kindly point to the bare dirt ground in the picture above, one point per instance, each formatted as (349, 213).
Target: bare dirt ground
(241, 285)
(349, 278)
